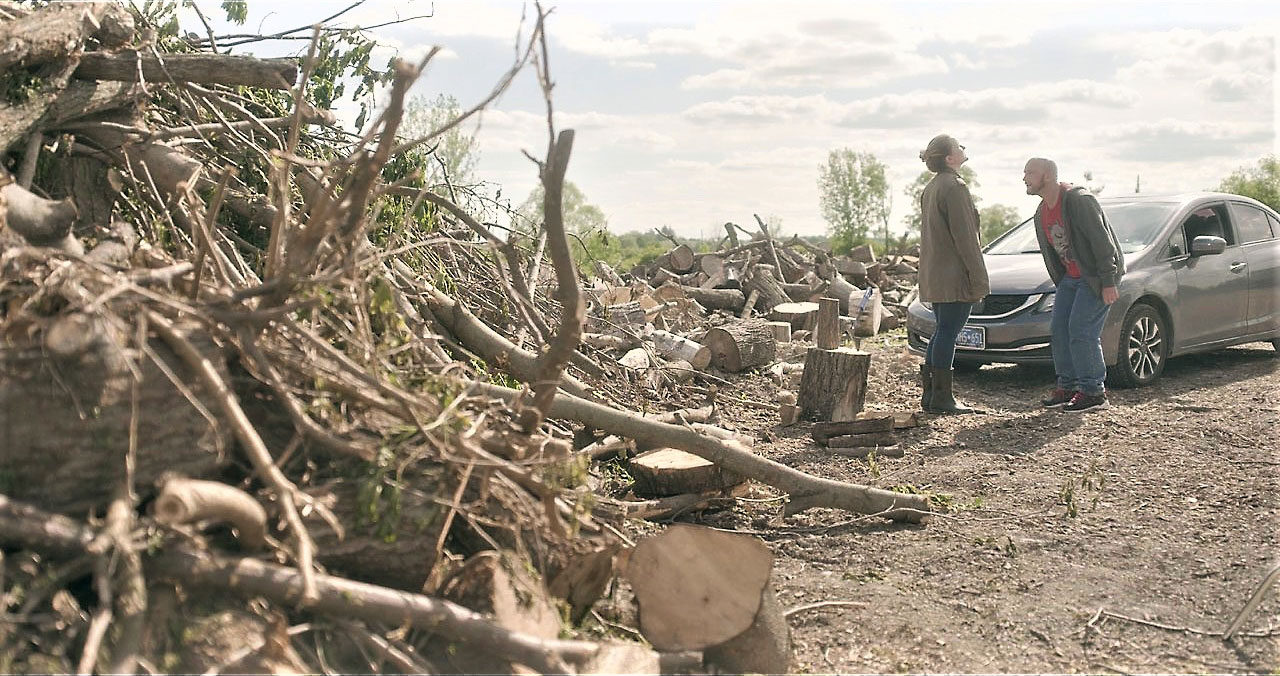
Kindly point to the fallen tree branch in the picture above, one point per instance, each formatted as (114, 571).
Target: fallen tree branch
(226, 69)
(286, 493)
(807, 491)
(29, 527)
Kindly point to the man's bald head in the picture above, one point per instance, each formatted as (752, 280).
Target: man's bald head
(1039, 175)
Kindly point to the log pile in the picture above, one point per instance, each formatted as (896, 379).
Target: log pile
(292, 382)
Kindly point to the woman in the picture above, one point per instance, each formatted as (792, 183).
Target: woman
(952, 274)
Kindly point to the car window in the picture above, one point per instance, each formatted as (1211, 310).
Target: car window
(1020, 240)
(1275, 225)
(1251, 223)
(1137, 224)
(1210, 220)
(1175, 246)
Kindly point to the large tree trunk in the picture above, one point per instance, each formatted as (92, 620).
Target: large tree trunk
(65, 411)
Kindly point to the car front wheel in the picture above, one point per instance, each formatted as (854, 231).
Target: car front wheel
(1144, 347)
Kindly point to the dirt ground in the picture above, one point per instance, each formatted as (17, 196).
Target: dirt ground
(1122, 540)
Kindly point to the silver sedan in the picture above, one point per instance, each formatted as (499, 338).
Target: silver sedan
(1202, 273)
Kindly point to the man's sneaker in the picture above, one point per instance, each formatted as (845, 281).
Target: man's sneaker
(1086, 402)
(1057, 398)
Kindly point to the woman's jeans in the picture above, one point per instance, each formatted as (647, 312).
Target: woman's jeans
(1076, 330)
(942, 347)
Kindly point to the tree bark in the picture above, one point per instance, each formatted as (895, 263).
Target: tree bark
(225, 69)
(834, 384)
(716, 299)
(765, 282)
(741, 345)
(53, 32)
(672, 346)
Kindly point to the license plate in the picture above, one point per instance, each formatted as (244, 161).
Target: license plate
(972, 338)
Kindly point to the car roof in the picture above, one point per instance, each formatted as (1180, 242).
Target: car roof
(1181, 199)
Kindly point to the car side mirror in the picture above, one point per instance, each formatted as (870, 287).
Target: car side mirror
(1207, 245)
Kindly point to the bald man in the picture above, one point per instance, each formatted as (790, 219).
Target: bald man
(1084, 260)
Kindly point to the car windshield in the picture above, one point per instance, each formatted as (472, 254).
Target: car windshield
(1136, 224)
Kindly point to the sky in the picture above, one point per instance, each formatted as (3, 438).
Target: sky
(690, 114)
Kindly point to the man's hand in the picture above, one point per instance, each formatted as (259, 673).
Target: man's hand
(1110, 294)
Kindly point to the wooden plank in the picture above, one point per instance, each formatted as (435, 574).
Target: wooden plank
(823, 431)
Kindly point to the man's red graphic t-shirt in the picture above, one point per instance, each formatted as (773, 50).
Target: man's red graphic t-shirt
(1055, 229)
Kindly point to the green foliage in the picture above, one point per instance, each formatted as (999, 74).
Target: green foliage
(916, 188)
(455, 154)
(237, 11)
(580, 216)
(341, 55)
(995, 220)
(854, 196)
(1261, 182)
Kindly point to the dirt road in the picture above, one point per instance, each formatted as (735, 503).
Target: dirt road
(1162, 509)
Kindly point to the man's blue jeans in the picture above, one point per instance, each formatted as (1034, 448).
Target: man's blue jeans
(942, 346)
(1078, 316)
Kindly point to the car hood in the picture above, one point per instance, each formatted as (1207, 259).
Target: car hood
(1017, 274)
(1025, 273)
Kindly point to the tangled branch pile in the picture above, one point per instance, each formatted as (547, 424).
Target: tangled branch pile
(223, 316)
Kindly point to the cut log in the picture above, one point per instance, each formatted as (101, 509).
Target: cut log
(781, 331)
(801, 316)
(672, 346)
(788, 414)
(880, 422)
(619, 319)
(716, 299)
(741, 345)
(798, 293)
(699, 588)
(711, 264)
(227, 69)
(750, 304)
(868, 440)
(827, 333)
(834, 384)
(605, 341)
(680, 259)
(732, 278)
(901, 419)
(667, 471)
(636, 359)
(848, 266)
(845, 292)
(863, 253)
(764, 280)
(869, 312)
(679, 372)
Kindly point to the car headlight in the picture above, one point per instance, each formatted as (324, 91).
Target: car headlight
(1045, 304)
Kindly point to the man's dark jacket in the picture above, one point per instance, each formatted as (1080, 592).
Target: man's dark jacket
(1091, 239)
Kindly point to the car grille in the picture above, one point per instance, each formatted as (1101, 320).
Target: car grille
(995, 305)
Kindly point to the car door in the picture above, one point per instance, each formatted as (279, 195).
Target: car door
(1213, 290)
(1254, 229)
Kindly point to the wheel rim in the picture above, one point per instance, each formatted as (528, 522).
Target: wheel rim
(1146, 347)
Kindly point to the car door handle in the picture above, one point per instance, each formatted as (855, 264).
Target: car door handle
(1237, 266)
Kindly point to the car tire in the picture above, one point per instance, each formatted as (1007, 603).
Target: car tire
(1144, 347)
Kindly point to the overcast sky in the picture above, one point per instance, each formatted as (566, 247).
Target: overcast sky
(689, 114)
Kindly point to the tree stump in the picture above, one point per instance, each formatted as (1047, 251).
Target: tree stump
(667, 471)
(834, 384)
(741, 345)
(702, 589)
(801, 316)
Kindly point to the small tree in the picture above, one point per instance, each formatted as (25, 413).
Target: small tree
(916, 188)
(1261, 182)
(455, 154)
(995, 220)
(854, 196)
